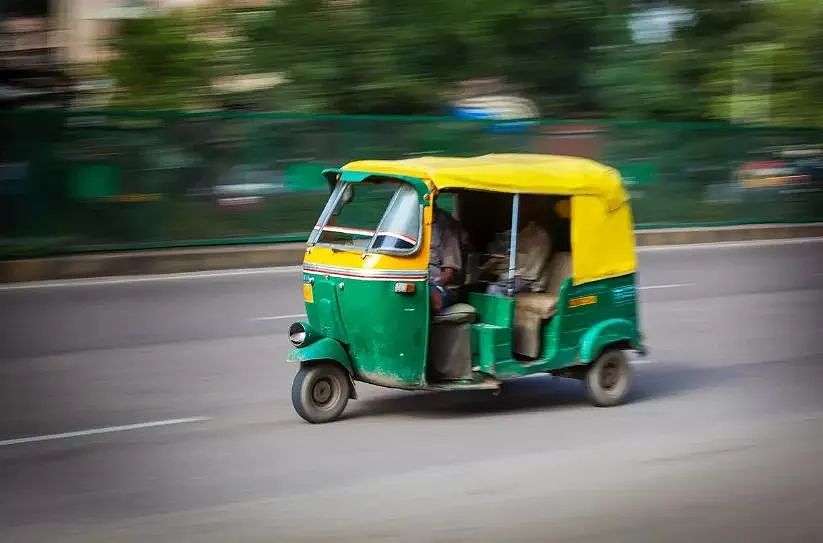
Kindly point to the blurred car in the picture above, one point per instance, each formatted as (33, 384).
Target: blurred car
(768, 174)
(246, 187)
(785, 169)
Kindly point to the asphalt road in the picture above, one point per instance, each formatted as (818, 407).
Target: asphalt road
(723, 439)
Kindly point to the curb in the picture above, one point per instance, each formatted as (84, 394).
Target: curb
(291, 254)
(761, 232)
(151, 262)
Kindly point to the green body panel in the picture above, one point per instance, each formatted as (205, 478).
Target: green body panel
(491, 336)
(490, 344)
(382, 336)
(322, 349)
(384, 333)
(588, 328)
(576, 335)
(493, 309)
(324, 314)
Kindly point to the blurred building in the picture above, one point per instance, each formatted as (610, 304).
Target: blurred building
(44, 42)
(83, 26)
(27, 63)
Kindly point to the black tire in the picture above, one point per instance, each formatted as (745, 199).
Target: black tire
(608, 379)
(320, 392)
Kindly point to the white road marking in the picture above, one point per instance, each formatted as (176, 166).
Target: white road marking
(128, 279)
(641, 361)
(106, 430)
(279, 317)
(672, 285)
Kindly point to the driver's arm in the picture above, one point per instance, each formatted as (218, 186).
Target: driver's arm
(452, 259)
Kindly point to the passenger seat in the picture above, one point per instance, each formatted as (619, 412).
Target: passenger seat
(532, 308)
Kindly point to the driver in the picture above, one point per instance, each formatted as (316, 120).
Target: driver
(445, 260)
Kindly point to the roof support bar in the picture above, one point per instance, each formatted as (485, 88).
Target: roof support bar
(513, 242)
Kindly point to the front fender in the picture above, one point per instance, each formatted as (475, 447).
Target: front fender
(320, 350)
(605, 333)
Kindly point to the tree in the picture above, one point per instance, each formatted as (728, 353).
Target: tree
(666, 79)
(752, 60)
(161, 64)
(381, 56)
(773, 72)
(343, 60)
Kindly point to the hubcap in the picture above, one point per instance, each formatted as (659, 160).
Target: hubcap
(322, 392)
(609, 376)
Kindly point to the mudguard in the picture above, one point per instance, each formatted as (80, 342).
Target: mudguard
(322, 350)
(605, 333)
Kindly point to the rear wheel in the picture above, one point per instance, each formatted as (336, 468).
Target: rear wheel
(608, 379)
(320, 392)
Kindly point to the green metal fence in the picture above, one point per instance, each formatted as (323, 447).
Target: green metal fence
(124, 180)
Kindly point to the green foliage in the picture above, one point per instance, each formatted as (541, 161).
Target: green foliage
(751, 61)
(381, 56)
(160, 65)
(775, 73)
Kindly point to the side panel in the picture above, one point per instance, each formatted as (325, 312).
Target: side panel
(387, 332)
(352, 298)
(587, 317)
(491, 335)
(605, 309)
(322, 310)
(493, 309)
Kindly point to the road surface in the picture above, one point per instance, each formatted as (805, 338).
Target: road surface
(175, 399)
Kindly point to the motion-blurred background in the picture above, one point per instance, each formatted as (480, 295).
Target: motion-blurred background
(158, 123)
(158, 408)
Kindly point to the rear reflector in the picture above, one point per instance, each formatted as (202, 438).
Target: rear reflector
(404, 288)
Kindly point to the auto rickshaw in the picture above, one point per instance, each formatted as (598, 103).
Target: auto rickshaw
(366, 292)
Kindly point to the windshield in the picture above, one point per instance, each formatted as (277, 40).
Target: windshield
(379, 215)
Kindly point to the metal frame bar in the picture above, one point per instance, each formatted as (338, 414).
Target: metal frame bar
(513, 242)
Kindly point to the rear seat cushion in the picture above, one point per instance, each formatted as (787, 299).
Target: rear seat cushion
(543, 304)
(539, 303)
(558, 268)
(531, 309)
(459, 313)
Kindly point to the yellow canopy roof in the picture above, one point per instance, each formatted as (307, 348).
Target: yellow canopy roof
(523, 173)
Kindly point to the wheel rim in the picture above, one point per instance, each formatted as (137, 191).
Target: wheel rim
(325, 392)
(610, 376)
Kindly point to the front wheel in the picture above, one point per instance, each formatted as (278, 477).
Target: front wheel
(608, 379)
(320, 392)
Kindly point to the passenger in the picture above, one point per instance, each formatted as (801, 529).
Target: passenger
(533, 250)
(445, 260)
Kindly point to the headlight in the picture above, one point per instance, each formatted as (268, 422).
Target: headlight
(301, 334)
(297, 334)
